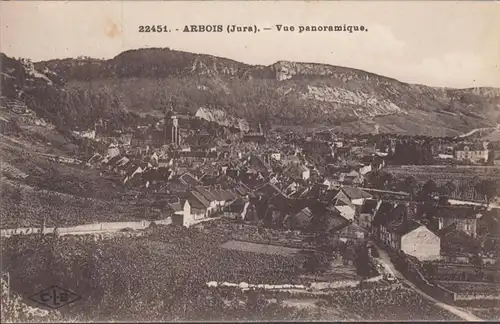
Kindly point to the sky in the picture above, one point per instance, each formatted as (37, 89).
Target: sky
(452, 44)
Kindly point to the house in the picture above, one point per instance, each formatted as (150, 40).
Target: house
(295, 192)
(351, 178)
(380, 216)
(133, 169)
(332, 182)
(336, 222)
(217, 197)
(417, 240)
(269, 190)
(394, 228)
(257, 163)
(200, 206)
(111, 162)
(344, 207)
(299, 221)
(275, 156)
(365, 169)
(189, 180)
(367, 212)
(353, 197)
(165, 162)
(86, 134)
(182, 213)
(113, 150)
(96, 159)
(121, 163)
(241, 190)
(463, 217)
(237, 209)
(474, 152)
(126, 139)
(196, 155)
(293, 189)
(213, 201)
(298, 171)
(254, 137)
(316, 191)
(351, 232)
(154, 158)
(338, 144)
(223, 196)
(291, 159)
(378, 162)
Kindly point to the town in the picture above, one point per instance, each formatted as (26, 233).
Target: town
(220, 162)
(425, 210)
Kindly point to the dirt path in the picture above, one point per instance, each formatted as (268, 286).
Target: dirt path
(464, 315)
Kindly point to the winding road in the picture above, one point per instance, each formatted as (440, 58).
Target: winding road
(463, 314)
(497, 127)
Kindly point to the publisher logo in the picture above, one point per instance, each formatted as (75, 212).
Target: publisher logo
(55, 297)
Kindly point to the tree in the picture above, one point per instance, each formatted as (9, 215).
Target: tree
(380, 179)
(316, 262)
(409, 184)
(448, 188)
(487, 188)
(362, 261)
(477, 261)
(428, 189)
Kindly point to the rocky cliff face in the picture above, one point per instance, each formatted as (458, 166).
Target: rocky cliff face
(285, 93)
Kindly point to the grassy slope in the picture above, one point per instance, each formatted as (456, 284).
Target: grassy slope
(32, 186)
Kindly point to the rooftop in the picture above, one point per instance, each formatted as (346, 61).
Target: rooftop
(460, 212)
(355, 193)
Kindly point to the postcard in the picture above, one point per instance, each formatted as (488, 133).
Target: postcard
(174, 161)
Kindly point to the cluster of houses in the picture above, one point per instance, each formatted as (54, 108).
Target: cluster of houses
(424, 230)
(471, 152)
(292, 182)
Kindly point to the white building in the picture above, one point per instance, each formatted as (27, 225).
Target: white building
(472, 152)
(276, 156)
(113, 150)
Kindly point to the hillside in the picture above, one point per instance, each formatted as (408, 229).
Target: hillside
(35, 184)
(46, 93)
(146, 81)
(33, 187)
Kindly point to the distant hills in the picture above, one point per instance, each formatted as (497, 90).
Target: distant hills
(147, 81)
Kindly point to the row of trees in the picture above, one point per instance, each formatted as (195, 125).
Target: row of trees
(411, 152)
(384, 180)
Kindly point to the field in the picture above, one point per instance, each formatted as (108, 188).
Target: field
(488, 314)
(442, 271)
(259, 248)
(25, 206)
(34, 187)
(153, 269)
(166, 262)
(393, 303)
(167, 268)
(389, 303)
(441, 174)
(473, 288)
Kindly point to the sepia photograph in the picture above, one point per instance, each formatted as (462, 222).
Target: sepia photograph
(243, 161)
